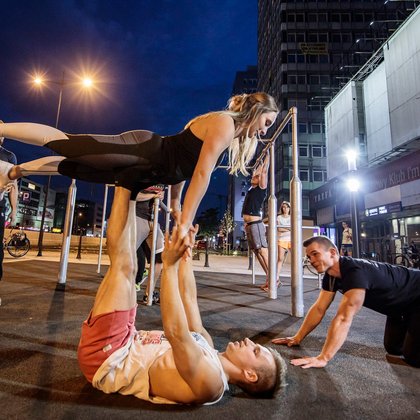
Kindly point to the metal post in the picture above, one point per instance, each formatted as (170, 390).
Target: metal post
(272, 229)
(44, 210)
(355, 224)
(168, 210)
(79, 248)
(102, 229)
(206, 260)
(65, 247)
(253, 266)
(296, 222)
(153, 251)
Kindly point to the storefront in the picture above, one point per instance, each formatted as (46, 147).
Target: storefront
(388, 205)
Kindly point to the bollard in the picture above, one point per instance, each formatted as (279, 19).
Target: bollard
(79, 249)
(206, 262)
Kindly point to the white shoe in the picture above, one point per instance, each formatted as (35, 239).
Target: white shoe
(4, 174)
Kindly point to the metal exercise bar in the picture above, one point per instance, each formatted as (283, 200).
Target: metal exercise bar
(272, 231)
(280, 128)
(153, 251)
(168, 209)
(98, 270)
(296, 222)
(68, 225)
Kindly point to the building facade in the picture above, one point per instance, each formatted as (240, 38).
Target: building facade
(306, 51)
(378, 114)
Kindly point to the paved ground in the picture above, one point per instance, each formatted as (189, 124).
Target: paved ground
(40, 327)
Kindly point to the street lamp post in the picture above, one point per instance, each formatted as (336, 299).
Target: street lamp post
(44, 210)
(353, 186)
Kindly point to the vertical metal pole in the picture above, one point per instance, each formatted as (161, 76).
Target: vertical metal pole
(355, 225)
(68, 224)
(98, 270)
(272, 229)
(168, 213)
(253, 266)
(296, 222)
(153, 251)
(44, 210)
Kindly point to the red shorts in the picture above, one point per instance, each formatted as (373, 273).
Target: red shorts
(101, 336)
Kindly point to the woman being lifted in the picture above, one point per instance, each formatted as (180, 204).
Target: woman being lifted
(138, 159)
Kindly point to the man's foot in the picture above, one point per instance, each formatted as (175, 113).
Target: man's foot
(155, 298)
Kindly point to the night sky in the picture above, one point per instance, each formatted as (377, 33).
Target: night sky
(156, 64)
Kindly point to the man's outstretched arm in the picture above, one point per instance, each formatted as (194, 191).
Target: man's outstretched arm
(188, 291)
(314, 316)
(201, 376)
(337, 332)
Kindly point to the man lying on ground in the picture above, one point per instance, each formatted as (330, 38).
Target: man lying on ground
(179, 364)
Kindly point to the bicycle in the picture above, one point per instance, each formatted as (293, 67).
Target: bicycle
(17, 244)
(407, 258)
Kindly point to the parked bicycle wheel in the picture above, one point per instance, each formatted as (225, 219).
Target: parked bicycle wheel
(401, 260)
(18, 245)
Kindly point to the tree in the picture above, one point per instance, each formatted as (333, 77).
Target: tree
(227, 225)
(209, 222)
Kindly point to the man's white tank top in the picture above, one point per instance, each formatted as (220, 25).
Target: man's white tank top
(127, 370)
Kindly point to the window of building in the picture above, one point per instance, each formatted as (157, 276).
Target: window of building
(345, 17)
(291, 37)
(323, 58)
(314, 79)
(312, 17)
(291, 79)
(315, 129)
(318, 175)
(336, 37)
(324, 79)
(300, 17)
(303, 151)
(317, 151)
(291, 58)
(322, 37)
(304, 174)
(322, 17)
(301, 79)
(302, 128)
(312, 37)
(300, 37)
(346, 37)
(300, 58)
(335, 17)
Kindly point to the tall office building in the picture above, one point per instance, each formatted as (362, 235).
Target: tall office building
(307, 50)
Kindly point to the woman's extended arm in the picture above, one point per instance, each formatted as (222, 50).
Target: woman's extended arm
(218, 135)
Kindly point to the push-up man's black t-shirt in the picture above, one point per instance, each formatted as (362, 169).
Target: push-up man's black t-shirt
(390, 290)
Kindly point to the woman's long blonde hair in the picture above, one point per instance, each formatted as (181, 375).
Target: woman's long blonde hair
(245, 109)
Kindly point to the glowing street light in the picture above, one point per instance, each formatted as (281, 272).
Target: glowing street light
(39, 81)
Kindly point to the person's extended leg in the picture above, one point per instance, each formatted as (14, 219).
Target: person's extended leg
(31, 133)
(117, 291)
(411, 346)
(395, 331)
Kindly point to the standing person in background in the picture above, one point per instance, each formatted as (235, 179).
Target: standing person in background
(284, 238)
(347, 241)
(251, 213)
(144, 229)
(11, 188)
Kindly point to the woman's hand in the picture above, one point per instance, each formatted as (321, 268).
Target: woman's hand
(175, 248)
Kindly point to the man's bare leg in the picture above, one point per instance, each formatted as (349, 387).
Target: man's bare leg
(117, 291)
